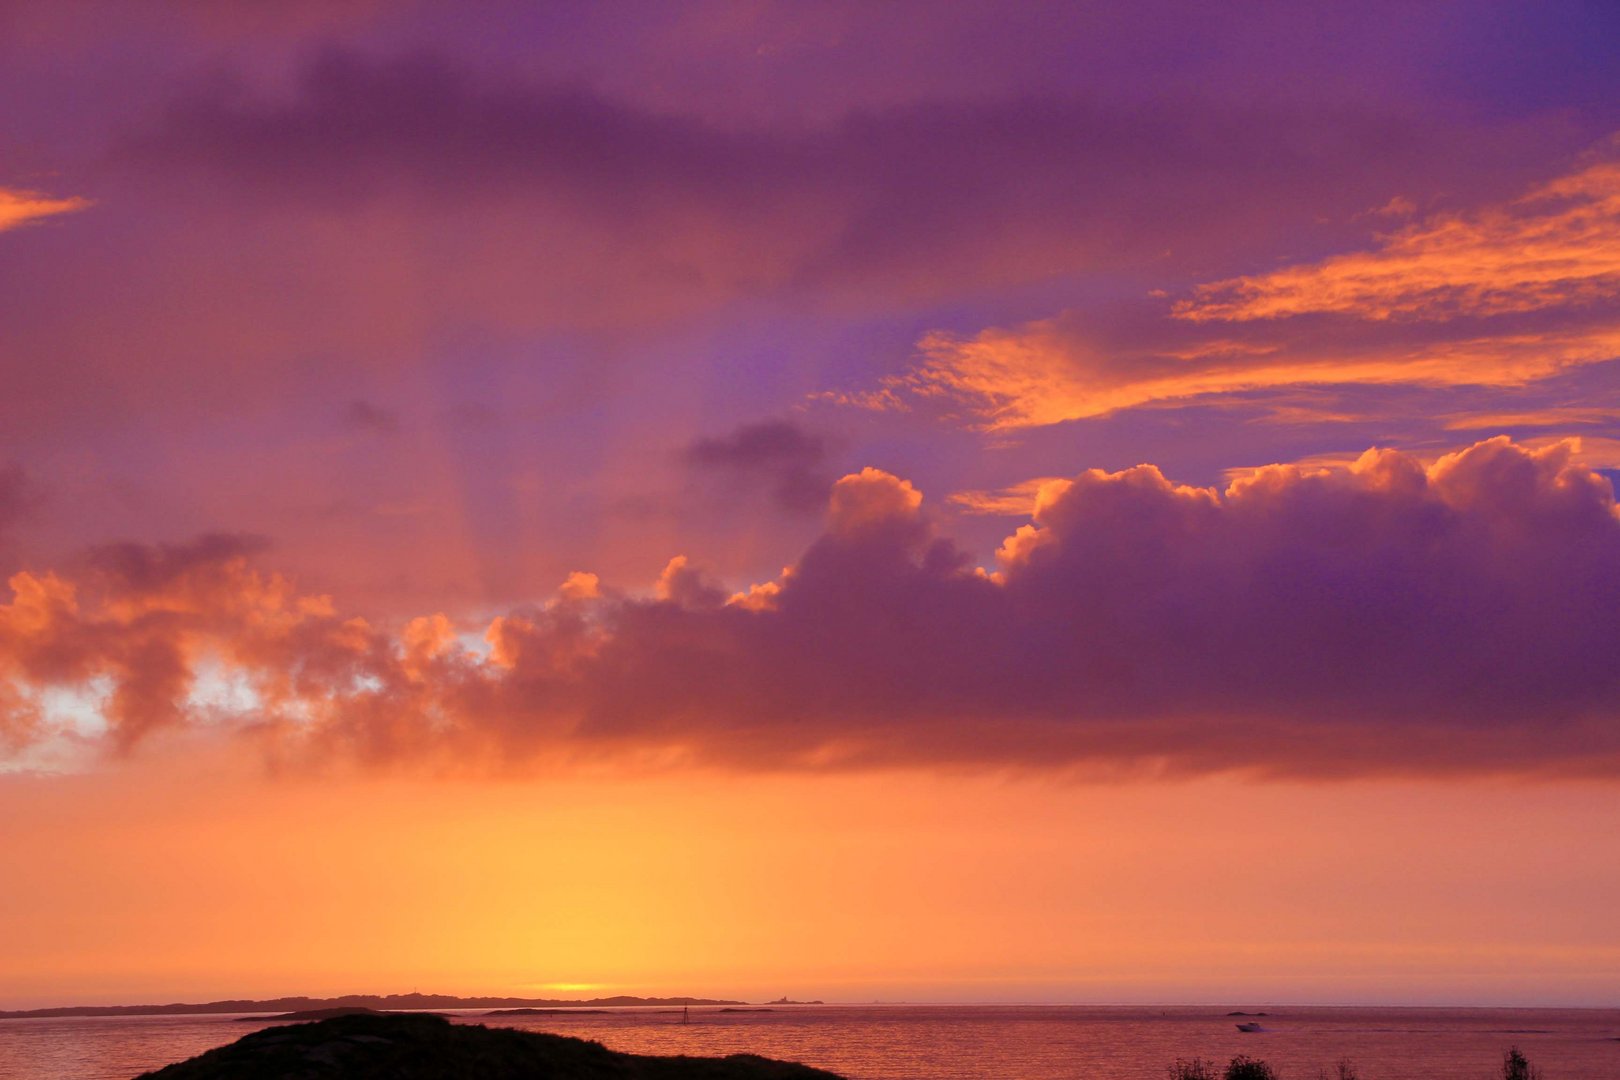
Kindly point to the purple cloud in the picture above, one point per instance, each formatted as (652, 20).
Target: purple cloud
(1388, 617)
(777, 454)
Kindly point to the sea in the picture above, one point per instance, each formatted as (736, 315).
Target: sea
(947, 1042)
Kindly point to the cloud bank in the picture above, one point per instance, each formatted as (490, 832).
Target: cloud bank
(1385, 617)
(672, 211)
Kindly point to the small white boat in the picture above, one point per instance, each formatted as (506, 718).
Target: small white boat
(1252, 1025)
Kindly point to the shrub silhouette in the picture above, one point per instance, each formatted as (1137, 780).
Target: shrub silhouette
(1516, 1067)
(1241, 1067)
(1244, 1067)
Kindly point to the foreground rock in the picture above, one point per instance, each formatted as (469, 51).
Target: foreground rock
(418, 1047)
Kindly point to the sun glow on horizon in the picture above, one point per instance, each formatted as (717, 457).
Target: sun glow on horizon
(932, 502)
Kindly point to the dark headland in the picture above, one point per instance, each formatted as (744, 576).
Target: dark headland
(398, 1046)
(376, 1002)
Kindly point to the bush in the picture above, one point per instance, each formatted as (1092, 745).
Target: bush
(1516, 1067)
(1244, 1067)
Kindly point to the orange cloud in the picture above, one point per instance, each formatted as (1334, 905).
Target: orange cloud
(1590, 451)
(1314, 463)
(1019, 500)
(20, 207)
(871, 499)
(1048, 372)
(1554, 247)
(1584, 451)
(684, 585)
(1555, 416)
(581, 585)
(1045, 373)
(1504, 296)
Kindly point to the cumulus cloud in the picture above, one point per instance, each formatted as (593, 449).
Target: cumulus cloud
(136, 621)
(1385, 616)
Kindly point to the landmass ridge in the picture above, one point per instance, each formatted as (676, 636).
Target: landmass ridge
(411, 1002)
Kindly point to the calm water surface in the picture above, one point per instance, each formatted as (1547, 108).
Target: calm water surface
(897, 1042)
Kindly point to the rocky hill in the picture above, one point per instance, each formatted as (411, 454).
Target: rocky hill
(420, 1047)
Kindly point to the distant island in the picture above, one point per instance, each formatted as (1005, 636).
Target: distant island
(575, 1010)
(319, 1014)
(351, 1002)
(419, 1047)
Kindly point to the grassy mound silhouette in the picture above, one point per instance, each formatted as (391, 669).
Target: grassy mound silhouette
(422, 1047)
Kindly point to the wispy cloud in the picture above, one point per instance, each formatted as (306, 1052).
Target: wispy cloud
(1562, 417)
(21, 207)
(1502, 296)
(1555, 247)
(1053, 371)
(1018, 500)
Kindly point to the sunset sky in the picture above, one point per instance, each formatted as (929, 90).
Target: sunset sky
(929, 501)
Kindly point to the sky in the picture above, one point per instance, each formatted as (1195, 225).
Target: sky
(924, 501)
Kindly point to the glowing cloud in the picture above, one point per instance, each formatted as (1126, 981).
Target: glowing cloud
(1019, 500)
(1501, 297)
(1553, 248)
(1049, 372)
(21, 207)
